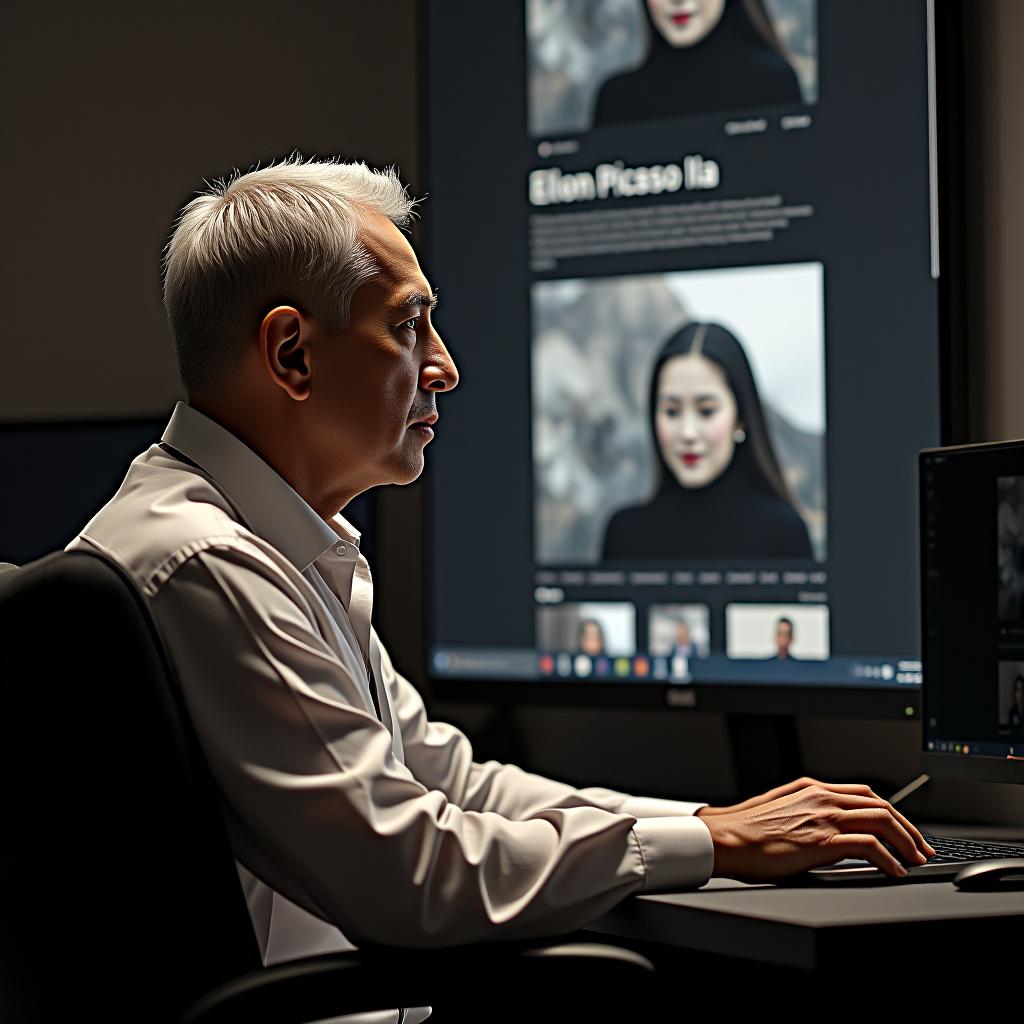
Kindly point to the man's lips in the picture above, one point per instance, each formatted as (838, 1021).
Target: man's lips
(424, 426)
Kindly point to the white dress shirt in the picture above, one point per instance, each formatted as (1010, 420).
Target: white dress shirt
(348, 826)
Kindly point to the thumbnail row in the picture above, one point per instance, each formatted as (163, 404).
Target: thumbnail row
(754, 631)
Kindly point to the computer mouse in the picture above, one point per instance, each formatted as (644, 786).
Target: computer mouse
(992, 875)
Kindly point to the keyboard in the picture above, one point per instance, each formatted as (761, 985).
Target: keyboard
(956, 851)
(950, 856)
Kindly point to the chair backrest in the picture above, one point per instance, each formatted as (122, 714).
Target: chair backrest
(120, 896)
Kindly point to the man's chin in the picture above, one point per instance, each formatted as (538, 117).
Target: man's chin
(409, 470)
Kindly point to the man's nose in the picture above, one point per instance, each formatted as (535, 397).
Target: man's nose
(438, 372)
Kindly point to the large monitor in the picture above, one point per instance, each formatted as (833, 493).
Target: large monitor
(692, 268)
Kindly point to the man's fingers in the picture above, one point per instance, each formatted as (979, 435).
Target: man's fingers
(866, 847)
(912, 829)
(852, 801)
(879, 822)
(853, 788)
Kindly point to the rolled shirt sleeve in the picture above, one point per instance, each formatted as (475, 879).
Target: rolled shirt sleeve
(318, 806)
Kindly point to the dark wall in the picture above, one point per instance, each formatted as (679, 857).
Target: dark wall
(114, 112)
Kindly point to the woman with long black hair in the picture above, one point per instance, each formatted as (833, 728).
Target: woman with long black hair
(720, 491)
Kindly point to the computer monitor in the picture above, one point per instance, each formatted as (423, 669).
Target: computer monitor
(696, 272)
(972, 593)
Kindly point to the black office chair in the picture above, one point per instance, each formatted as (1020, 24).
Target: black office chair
(120, 897)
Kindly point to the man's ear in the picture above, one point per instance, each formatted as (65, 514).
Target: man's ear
(284, 338)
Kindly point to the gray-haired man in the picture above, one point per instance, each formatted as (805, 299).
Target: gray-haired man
(302, 324)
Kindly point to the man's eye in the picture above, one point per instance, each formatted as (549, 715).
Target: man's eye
(410, 324)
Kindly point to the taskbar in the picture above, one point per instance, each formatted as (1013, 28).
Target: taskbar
(1012, 751)
(525, 664)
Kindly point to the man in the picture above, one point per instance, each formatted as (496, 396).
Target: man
(302, 325)
(783, 640)
(682, 651)
(684, 646)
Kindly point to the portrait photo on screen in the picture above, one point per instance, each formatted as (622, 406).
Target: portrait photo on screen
(593, 628)
(597, 62)
(1010, 546)
(775, 632)
(680, 417)
(1011, 695)
(678, 629)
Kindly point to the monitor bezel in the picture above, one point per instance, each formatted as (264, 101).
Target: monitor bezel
(809, 699)
(967, 767)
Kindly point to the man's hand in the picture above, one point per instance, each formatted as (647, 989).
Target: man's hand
(806, 824)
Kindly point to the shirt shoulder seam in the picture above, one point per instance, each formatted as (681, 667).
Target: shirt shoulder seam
(177, 558)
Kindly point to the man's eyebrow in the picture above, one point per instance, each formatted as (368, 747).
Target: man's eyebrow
(418, 300)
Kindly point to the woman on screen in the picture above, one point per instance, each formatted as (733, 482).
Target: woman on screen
(720, 492)
(704, 55)
(590, 638)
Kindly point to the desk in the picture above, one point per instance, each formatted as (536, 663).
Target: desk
(824, 927)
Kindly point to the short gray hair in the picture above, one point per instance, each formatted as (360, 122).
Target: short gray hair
(287, 233)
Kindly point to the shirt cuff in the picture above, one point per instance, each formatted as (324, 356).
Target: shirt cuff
(652, 807)
(677, 852)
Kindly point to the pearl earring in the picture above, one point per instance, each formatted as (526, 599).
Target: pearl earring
(739, 435)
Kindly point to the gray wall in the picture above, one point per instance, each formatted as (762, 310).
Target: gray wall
(115, 111)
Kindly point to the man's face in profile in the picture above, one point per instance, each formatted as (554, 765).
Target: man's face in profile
(375, 382)
(783, 637)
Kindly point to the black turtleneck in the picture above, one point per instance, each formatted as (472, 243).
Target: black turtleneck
(731, 68)
(736, 516)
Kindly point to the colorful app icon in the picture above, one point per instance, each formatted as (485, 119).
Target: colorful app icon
(622, 666)
(583, 665)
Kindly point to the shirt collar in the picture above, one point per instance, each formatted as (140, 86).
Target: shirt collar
(270, 506)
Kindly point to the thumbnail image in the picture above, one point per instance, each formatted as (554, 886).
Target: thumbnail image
(593, 628)
(1010, 546)
(1011, 695)
(678, 630)
(599, 62)
(776, 632)
(680, 417)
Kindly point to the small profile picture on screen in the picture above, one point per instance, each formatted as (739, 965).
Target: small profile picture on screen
(678, 629)
(596, 628)
(1010, 547)
(1011, 695)
(598, 62)
(680, 417)
(777, 632)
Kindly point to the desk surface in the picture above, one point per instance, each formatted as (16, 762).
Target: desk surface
(817, 927)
